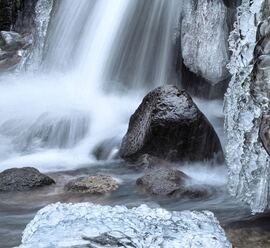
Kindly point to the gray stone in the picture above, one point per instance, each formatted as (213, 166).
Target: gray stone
(162, 181)
(169, 182)
(92, 185)
(23, 179)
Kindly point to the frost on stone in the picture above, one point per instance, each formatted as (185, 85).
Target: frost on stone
(204, 35)
(89, 225)
(246, 100)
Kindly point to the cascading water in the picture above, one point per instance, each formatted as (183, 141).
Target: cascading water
(91, 64)
(56, 116)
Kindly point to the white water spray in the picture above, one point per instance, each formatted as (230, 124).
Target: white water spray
(53, 120)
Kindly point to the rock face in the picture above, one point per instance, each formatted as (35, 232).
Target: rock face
(232, 3)
(204, 35)
(92, 185)
(13, 41)
(89, 225)
(12, 45)
(247, 104)
(23, 179)
(17, 15)
(169, 125)
(7, 14)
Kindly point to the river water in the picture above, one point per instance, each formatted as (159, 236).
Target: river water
(100, 59)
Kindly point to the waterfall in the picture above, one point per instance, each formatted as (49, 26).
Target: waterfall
(85, 58)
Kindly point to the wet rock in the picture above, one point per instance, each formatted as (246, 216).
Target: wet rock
(92, 185)
(14, 41)
(8, 60)
(169, 182)
(12, 46)
(23, 179)
(248, 237)
(107, 149)
(163, 181)
(169, 125)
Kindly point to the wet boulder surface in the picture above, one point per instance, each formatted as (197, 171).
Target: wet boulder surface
(169, 125)
(23, 179)
(169, 182)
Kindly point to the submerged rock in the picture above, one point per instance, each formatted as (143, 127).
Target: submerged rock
(23, 179)
(89, 225)
(47, 131)
(169, 125)
(107, 149)
(169, 182)
(163, 181)
(92, 185)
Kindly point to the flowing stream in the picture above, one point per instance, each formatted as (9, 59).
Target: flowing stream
(100, 59)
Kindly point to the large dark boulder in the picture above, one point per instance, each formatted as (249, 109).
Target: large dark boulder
(23, 179)
(169, 125)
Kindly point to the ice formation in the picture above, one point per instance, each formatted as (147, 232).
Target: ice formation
(32, 58)
(89, 225)
(204, 38)
(246, 101)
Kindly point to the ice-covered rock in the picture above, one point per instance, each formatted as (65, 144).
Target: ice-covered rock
(32, 58)
(246, 100)
(89, 225)
(204, 35)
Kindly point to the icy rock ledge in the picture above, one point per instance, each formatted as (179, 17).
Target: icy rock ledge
(89, 225)
(246, 101)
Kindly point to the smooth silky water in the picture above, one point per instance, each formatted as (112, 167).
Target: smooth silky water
(101, 58)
